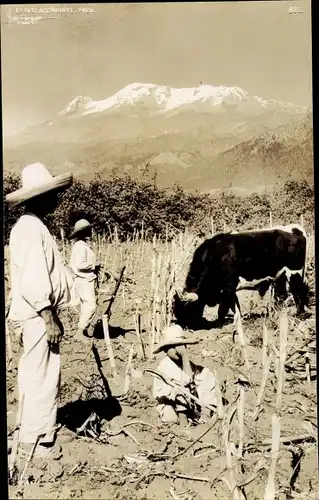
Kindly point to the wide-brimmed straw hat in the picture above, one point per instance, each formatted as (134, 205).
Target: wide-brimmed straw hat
(36, 181)
(80, 226)
(173, 335)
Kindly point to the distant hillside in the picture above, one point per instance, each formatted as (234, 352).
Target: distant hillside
(274, 157)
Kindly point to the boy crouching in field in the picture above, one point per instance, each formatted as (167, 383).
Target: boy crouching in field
(85, 269)
(172, 405)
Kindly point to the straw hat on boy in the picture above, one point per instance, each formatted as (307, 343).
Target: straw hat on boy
(174, 335)
(80, 226)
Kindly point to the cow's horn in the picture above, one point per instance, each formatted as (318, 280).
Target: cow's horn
(190, 297)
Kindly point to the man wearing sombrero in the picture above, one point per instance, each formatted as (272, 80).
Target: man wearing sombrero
(85, 269)
(40, 286)
(172, 405)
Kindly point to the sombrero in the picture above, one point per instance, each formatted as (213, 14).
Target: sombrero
(172, 336)
(37, 180)
(80, 226)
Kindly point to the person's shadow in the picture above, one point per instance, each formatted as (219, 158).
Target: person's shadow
(205, 324)
(114, 331)
(75, 413)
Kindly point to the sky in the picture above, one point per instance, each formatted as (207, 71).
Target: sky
(258, 46)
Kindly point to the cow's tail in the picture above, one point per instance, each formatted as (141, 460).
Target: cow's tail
(303, 276)
(300, 230)
(304, 269)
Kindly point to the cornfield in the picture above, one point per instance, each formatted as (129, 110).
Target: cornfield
(269, 359)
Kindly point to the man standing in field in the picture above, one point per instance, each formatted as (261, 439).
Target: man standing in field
(172, 405)
(85, 269)
(40, 286)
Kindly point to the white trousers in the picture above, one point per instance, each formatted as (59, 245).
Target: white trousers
(86, 292)
(39, 380)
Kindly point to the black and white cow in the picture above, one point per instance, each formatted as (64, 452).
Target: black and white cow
(262, 258)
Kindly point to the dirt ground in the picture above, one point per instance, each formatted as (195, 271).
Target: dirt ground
(131, 455)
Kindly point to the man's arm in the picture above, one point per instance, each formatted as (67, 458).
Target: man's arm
(181, 350)
(36, 286)
(163, 393)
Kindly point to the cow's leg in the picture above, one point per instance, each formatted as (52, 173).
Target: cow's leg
(236, 304)
(263, 287)
(191, 314)
(197, 311)
(229, 300)
(299, 291)
(280, 290)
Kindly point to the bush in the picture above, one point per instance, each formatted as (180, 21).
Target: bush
(11, 183)
(131, 205)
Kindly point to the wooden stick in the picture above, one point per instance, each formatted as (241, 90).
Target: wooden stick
(116, 432)
(156, 297)
(129, 434)
(15, 443)
(276, 418)
(308, 368)
(176, 476)
(241, 414)
(30, 456)
(8, 336)
(212, 226)
(152, 319)
(9, 347)
(196, 440)
(157, 267)
(108, 311)
(300, 349)
(226, 420)
(240, 330)
(237, 493)
(265, 373)
(109, 344)
(285, 441)
(137, 321)
(128, 370)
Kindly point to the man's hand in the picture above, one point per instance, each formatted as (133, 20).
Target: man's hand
(54, 327)
(181, 350)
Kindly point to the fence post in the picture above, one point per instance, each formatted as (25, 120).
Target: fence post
(270, 219)
(212, 226)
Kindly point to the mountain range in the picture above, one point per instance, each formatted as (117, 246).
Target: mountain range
(203, 138)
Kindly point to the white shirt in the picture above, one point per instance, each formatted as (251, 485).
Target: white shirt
(39, 278)
(82, 261)
(170, 369)
(204, 382)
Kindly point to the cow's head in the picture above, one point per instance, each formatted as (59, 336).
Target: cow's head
(187, 308)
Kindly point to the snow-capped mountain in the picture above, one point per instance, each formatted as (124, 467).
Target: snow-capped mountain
(203, 137)
(160, 98)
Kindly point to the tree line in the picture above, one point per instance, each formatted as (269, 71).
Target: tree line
(131, 205)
